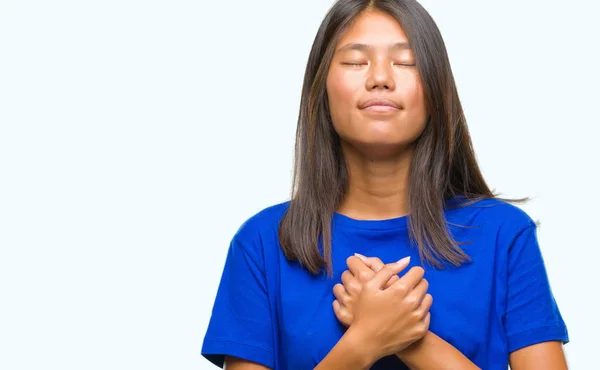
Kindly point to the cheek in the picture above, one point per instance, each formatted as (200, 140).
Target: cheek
(341, 94)
(414, 97)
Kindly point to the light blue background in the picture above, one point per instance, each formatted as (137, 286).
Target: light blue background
(136, 137)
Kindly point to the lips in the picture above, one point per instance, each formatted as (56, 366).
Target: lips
(380, 104)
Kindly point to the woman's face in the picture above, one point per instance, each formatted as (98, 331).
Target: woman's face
(374, 90)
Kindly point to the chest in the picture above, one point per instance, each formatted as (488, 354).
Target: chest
(462, 313)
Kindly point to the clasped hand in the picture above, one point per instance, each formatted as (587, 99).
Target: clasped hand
(389, 313)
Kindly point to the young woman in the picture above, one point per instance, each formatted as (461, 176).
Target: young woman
(385, 172)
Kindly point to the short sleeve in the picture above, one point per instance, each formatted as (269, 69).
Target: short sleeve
(240, 323)
(532, 315)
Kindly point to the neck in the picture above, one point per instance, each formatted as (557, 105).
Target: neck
(377, 188)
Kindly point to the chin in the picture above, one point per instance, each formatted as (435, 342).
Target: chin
(382, 137)
(379, 148)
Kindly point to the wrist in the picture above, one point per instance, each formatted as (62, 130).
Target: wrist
(412, 350)
(363, 352)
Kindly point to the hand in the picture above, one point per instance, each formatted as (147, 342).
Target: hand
(403, 302)
(362, 269)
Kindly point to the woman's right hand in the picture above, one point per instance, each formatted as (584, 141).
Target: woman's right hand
(390, 319)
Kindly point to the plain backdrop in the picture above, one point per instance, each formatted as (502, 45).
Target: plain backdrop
(137, 136)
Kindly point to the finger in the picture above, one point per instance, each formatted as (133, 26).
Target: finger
(365, 259)
(374, 263)
(342, 314)
(418, 293)
(336, 309)
(411, 278)
(340, 293)
(424, 324)
(384, 275)
(352, 285)
(427, 302)
(392, 280)
(427, 319)
(369, 261)
(358, 268)
(421, 289)
(347, 277)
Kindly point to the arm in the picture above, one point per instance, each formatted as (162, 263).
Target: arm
(241, 307)
(380, 318)
(546, 356)
(432, 352)
(234, 363)
(381, 314)
(533, 323)
(348, 354)
(429, 352)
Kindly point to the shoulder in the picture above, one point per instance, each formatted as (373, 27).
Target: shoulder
(265, 220)
(503, 211)
(260, 229)
(493, 216)
(489, 229)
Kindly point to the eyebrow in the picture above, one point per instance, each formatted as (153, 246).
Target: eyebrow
(366, 47)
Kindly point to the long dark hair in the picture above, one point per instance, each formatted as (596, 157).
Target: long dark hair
(443, 164)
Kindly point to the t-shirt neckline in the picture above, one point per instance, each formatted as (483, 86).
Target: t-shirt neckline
(383, 224)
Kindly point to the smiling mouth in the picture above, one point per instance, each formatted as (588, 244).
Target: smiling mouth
(380, 105)
(381, 108)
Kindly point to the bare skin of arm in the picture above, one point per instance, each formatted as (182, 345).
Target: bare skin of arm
(432, 351)
(546, 355)
(429, 352)
(234, 363)
(348, 353)
(385, 322)
(376, 332)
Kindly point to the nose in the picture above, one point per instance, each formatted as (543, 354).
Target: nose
(381, 76)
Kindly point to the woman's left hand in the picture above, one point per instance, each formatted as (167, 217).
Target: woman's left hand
(361, 270)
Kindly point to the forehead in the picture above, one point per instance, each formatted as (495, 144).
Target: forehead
(374, 28)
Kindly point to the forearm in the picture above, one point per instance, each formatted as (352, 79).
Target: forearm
(432, 352)
(349, 353)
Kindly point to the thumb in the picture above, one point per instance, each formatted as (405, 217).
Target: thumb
(385, 274)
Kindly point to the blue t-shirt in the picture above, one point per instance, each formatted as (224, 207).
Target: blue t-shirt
(272, 311)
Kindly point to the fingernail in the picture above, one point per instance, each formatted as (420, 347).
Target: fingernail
(360, 256)
(405, 260)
